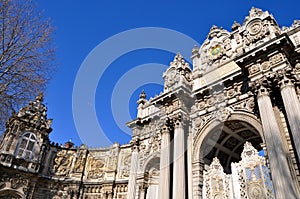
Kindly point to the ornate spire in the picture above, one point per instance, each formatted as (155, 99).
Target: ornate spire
(142, 100)
(216, 165)
(235, 26)
(143, 95)
(249, 152)
(214, 30)
(179, 62)
(40, 97)
(255, 12)
(195, 50)
(35, 114)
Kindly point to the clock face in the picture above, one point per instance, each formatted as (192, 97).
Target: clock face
(214, 51)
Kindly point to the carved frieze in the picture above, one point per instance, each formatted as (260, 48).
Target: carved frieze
(95, 167)
(266, 64)
(247, 105)
(125, 165)
(63, 162)
(79, 164)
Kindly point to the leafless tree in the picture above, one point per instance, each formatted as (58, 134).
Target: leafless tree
(26, 54)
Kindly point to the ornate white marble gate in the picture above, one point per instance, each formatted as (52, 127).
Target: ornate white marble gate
(250, 178)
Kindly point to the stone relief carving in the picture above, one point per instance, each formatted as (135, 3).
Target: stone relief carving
(63, 162)
(216, 49)
(223, 114)
(149, 146)
(259, 27)
(79, 163)
(179, 72)
(15, 182)
(95, 168)
(112, 158)
(247, 105)
(36, 113)
(125, 165)
(267, 64)
(255, 31)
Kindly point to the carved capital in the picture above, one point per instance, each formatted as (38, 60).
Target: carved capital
(179, 121)
(286, 78)
(167, 126)
(135, 144)
(262, 85)
(286, 82)
(262, 91)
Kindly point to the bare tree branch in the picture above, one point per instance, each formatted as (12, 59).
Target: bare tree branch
(26, 54)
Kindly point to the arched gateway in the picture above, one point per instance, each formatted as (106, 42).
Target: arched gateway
(241, 97)
(198, 139)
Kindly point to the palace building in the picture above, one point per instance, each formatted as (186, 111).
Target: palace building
(198, 139)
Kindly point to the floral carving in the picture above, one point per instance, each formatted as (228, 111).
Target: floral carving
(223, 114)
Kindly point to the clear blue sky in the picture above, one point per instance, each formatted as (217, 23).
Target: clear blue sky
(82, 25)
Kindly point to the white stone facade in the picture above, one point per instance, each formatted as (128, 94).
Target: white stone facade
(197, 139)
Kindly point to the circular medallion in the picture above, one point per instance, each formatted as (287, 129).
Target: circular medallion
(171, 78)
(255, 191)
(255, 27)
(215, 51)
(217, 196)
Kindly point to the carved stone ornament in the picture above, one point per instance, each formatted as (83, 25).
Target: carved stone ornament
(35, 113)
(63, 162)
(249, 179)
(179, 71)
(95, 168)
(216, 51)
(14, 182)
(79, 163)
(222, 114)
(125, 166)
(255, 31)
(171, 78)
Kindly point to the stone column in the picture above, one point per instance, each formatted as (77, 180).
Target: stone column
(164, 176)
(189, 165)
(142, 192)
(178, 162)
(131, 192)
(281, 175)
(292, 109)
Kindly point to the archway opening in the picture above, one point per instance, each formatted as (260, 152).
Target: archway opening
(226, 142)
(152, 178)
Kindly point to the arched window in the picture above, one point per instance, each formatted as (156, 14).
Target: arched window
(26, 145)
